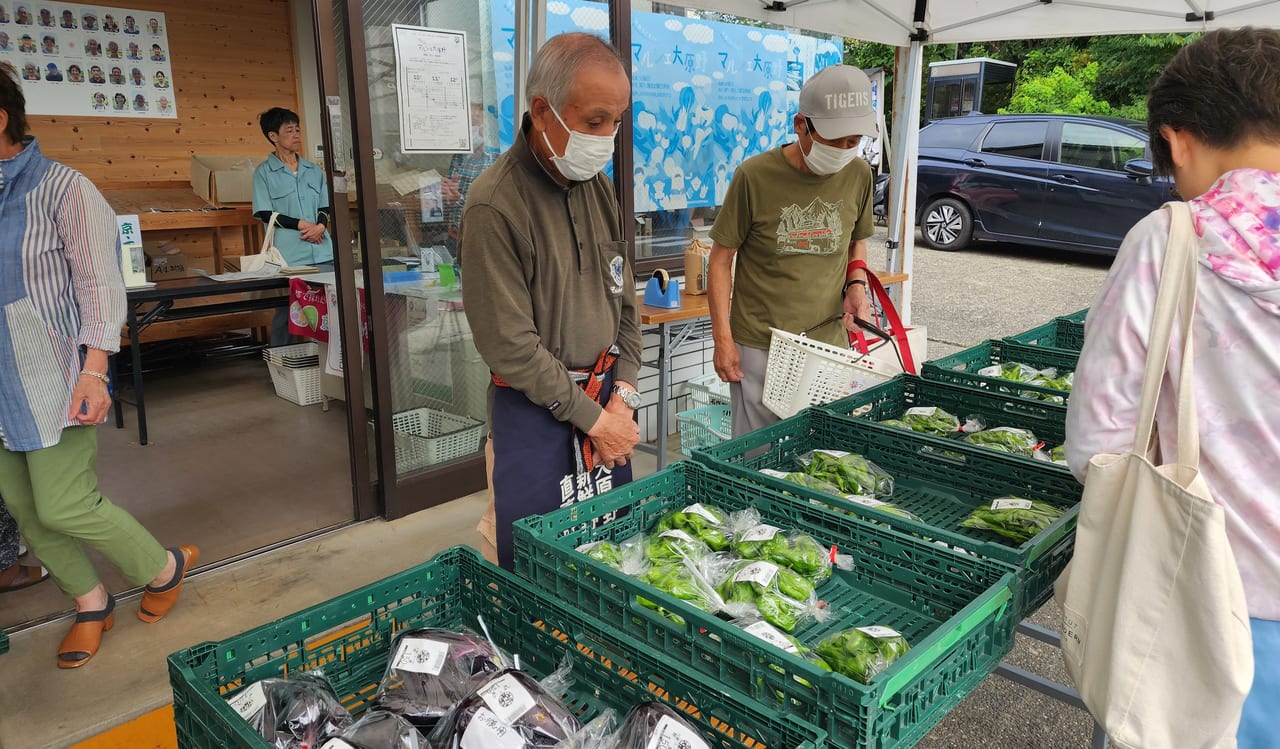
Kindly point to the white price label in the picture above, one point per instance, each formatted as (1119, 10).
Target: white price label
(770, 634)
(507, 698)
(833, 453)
(672, 734)
(1011, 503)
(421, 656)
(879, 633)
(991, 371)
(336, 744)
(486, 731)
(760, 573)
(761, 532)
(864, 500)
(698, 509)
(249, 702)
(679, 535)
(773, 473)
(922, 411)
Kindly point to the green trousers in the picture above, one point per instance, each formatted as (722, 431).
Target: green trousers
(53, 494)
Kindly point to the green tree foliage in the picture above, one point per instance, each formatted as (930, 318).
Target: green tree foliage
(1060, 92)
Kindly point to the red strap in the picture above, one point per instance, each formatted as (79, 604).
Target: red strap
(895, 328)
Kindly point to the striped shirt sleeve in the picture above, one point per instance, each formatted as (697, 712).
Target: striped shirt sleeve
(87, 227)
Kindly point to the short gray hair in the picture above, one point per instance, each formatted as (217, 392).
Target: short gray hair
(559, 60)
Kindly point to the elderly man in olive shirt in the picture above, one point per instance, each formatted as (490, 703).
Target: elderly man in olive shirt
(549, 294)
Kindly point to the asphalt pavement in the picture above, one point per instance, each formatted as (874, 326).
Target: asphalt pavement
(964, 298)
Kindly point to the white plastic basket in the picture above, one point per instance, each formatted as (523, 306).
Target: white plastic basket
(425, 436)
(293, 355)
(802, 372)
(300, 385)
(708, 390)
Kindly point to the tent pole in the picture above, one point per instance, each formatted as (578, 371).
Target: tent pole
(908, 69)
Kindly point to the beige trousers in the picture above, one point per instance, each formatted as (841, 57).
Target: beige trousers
(488, 525)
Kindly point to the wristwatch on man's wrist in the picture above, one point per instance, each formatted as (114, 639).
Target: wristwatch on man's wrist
(628, 396)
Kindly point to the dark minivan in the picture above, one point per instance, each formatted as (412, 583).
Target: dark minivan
(1063, 181)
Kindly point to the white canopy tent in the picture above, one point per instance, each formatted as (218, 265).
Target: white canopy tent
(910, 24)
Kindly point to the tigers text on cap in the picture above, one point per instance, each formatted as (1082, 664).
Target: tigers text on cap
(838, 100)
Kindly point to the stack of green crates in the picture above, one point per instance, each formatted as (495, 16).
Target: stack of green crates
(1065, 333)
(891, 400)
(963, 367)
(940, 487)
(349, 638)
(955, 609)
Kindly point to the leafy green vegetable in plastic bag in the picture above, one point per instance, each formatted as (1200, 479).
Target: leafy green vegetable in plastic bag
(862, 652)
(703, 522)
(848, 472)
(1014, 518)
(1005, 439)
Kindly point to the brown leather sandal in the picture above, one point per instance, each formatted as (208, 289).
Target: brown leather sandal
(156, 602)
(85, 637)
(21, 576)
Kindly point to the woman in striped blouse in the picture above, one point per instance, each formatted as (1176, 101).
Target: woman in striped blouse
(62, 302)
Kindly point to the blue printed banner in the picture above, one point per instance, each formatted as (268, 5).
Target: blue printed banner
(706, 95)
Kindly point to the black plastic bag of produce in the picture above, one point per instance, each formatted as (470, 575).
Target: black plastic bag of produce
(295, 713)
(378, 729)
(703, 522)
(849, 472)
(1015, 518)
(430, 670)
(862, 652)
(512, 711)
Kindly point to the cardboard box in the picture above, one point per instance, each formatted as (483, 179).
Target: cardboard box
(167, 261)
(696, 256)
(224, 179)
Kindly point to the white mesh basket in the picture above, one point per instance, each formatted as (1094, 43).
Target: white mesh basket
(300, 385)
(803, 372)
(425, 436)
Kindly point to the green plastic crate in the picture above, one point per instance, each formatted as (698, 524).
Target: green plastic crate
(891, 399)
(4, 642)
(1059, 333)
(1077, 316)
(350, 636)
(961, 368)
(937, 488)
(955, 609)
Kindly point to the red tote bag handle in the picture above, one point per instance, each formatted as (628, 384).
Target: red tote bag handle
(858, 339)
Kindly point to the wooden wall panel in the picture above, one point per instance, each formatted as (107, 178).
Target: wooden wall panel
(231, 60)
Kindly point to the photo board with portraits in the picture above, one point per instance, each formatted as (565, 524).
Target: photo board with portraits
(89, 60)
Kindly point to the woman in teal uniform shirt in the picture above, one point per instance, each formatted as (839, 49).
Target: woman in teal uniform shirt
(293, 188)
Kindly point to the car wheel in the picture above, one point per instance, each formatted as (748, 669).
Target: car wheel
(947, 225)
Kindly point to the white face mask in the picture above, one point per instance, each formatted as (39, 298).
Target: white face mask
(584, 155)
(823, 159)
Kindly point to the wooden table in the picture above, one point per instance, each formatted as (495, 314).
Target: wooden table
(176, 209)
(688, 323)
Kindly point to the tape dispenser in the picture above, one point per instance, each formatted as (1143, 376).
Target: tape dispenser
(662, 291)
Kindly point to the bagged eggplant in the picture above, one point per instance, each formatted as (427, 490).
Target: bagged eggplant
(295, 713)
(512, 711)
(378, 729)
(430, 670)
(703, 522)
(783, 597)
(848, 472)
(655, 726)
(1015, 518)
(862, 652)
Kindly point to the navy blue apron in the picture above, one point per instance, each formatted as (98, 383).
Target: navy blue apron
(538, 465)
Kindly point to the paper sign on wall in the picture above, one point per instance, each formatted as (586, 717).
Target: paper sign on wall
(431, 89)
(89, 60)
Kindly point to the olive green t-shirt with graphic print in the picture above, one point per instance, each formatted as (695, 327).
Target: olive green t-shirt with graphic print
(792, 231)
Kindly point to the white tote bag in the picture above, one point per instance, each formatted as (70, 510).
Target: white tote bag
(267, 255)
(1155, 631)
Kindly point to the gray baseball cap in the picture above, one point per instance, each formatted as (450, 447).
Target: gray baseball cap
(838, 100)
